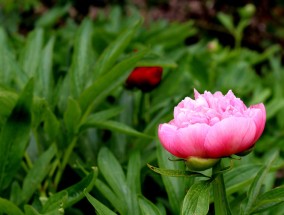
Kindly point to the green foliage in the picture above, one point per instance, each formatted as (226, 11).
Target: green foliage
(100, 208)
(70, 129)
(14, 136)
(197, 199)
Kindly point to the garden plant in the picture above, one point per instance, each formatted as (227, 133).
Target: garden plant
(119, 114)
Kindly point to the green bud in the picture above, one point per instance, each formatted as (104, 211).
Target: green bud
(213, 46)
(200, 164)
(247, 11)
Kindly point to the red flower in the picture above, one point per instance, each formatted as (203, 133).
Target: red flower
(145, 78)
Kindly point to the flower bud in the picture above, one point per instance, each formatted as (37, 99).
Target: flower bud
(212, 126)
(247, 11)
(144, 78)
(213, 46)
(200, 164)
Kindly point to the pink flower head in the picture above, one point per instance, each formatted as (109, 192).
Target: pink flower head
(212, 126)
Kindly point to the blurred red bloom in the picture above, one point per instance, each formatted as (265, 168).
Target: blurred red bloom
(144, 78)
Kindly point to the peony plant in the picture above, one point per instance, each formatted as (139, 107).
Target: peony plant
(211, 127)
(203, 131)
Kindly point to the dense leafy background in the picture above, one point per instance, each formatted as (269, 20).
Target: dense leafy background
(73, 140)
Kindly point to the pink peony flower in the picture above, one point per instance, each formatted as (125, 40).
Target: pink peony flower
(212, 126)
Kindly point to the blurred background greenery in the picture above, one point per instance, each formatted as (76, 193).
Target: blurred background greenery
(78, 55)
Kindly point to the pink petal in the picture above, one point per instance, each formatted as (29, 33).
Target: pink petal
(190, 140)
(167, 136)
(230, 136)
(184, 142)
(259, 117)
(196, 94)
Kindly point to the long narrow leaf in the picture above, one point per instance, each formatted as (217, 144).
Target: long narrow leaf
(73, 193)
(116, 202)
(8, 64)
(30, 210)
(147, 207)
(255, 188)
(7, 207)
(82, 58)
(268, 200)
(104, 115)
(14, 136)
(133, 172)
(176, 173)
(7, 102)
(133, 181)
(101, 209)
(110, 55)
(112, 172)
(108, 82)
(72, 116)
(175, 186)
(31, 56)
(114, 126)
(239, 177)
(45, 78)
(37, 174)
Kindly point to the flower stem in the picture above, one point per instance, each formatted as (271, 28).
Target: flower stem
(221, 205)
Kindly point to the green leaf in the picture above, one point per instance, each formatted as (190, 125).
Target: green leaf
(269, 53)
(101, 209)
(114, 126)
(31, 56)
(162, 62)
(8, 64)
(197, 199)
(94, 94)
(30, 210)
(175, 186)
(199, 69)
(114, 50)
(133, 172)
(133, 181)
(16, 193)
(74, 193)
(72, 116)
(273, 107)
(255, 188)
(7, 207)
(51, 16)
(226, 21)
(260, 96)
(38, 112)
(36, 175)
(176, 173)
(112, 172)
(239, 177)
(82, 58)
(117, 203)
(51, 124)
(177, 31)
(147, 207)
(14, 136)
(55, 202)
(45, 78)
(7, 102)
(103, 115)
(268, 200)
